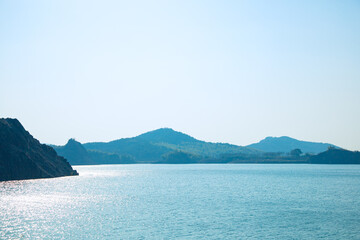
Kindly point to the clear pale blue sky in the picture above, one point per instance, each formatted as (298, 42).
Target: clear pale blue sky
(222, 71)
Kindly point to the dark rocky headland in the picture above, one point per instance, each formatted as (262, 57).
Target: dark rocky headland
(24, 157)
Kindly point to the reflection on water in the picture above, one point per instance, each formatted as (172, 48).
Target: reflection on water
(186, 201)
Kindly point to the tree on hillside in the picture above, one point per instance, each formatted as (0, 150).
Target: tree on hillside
(296, 152)
(331, 147)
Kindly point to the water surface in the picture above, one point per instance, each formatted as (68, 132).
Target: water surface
(230, 201)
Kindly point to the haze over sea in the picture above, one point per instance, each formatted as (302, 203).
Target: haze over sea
(245, 201)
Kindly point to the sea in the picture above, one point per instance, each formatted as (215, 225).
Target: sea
(210, 201)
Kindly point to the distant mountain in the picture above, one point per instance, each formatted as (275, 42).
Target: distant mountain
(286, 144)
(23, 157)
(166, 135)
(178, 141)
(151, 146)
(76, 154)
(336, 156)
(141, 150)
(165, 145)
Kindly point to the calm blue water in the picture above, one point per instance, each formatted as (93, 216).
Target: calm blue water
(241, 201)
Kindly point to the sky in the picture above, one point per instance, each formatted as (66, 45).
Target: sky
(220, 71)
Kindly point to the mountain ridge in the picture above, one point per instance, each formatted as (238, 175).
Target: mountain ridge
(152, 145)
(168, 135)
(286, 144)
(168, 146)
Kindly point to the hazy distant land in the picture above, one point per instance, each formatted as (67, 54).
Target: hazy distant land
(168, 146)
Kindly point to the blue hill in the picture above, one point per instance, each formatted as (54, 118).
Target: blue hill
(286, 144)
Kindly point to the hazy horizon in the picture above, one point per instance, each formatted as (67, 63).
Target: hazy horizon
(229, 71)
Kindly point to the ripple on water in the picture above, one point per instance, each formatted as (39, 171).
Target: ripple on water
(187, 202)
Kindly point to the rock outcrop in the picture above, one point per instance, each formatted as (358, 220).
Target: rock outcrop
(24, 157)
(76, 154)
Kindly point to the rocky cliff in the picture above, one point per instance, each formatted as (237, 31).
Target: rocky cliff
(23, 157)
